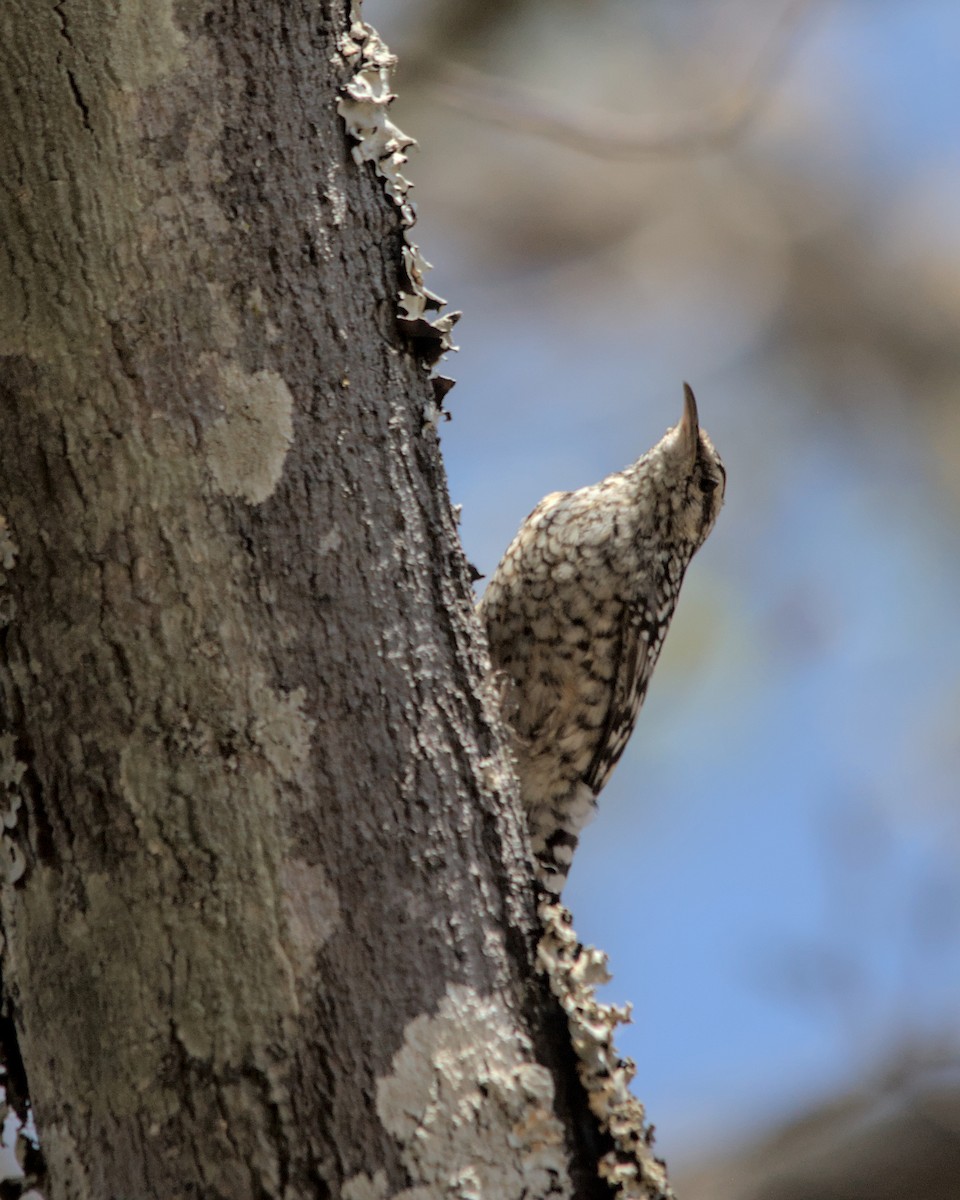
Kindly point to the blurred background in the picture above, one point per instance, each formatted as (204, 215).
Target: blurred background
(763, 198)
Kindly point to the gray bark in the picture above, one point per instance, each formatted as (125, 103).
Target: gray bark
(265, 875)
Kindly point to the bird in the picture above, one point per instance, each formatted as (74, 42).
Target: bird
(576, 614)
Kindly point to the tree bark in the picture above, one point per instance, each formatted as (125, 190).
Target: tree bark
(268, 919)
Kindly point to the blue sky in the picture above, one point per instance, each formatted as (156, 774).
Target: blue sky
(772, 868)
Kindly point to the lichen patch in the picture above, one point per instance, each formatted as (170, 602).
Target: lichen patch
(282, 730)
(312, 910)
(148, 45)
(247, 446)
(471, 1110)
(364, 106)
(574, 971)
(365, 1187)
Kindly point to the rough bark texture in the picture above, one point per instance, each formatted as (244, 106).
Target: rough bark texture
(270, 878)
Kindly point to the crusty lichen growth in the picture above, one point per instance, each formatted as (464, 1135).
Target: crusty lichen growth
(364, 107)
(471, 1109)
(574, 971)
(246, 446)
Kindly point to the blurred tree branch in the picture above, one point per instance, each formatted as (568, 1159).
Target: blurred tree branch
(611, 136)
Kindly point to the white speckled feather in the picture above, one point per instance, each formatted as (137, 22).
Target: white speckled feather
(576, 614)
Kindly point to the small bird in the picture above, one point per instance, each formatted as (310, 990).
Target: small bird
(576, 614)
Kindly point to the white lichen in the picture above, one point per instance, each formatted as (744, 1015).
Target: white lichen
(364, 107)
(431, 416)
(471, 1109)
(574, 971)
(247, 446)
(14, 864)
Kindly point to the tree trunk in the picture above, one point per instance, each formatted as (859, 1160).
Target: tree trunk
(269, 927)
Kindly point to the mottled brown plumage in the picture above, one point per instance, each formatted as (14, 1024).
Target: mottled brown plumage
(576, 614)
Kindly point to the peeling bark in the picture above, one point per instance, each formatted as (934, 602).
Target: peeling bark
(264, 863)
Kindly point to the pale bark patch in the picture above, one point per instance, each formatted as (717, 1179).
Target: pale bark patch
(363, 1187)
(8, 547)
(312, 909)
(145, 43)
(62, 1152)
(247, 447)
(283, 731)
(472, 1111)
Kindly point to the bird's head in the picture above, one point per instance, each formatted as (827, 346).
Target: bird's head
(692, 478)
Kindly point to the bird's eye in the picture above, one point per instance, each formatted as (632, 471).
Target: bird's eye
(708, 483)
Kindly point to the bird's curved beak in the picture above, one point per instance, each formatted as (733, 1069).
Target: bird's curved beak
(688, 431)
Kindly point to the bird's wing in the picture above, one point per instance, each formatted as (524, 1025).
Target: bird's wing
(631, 675)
